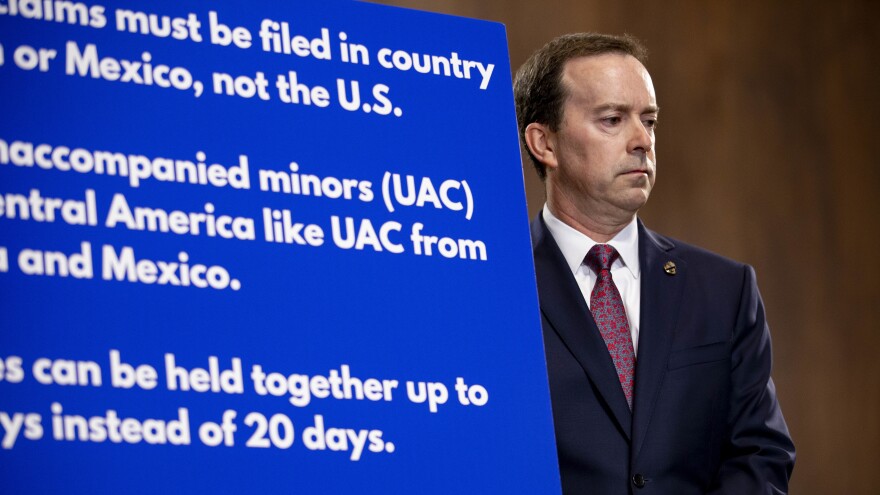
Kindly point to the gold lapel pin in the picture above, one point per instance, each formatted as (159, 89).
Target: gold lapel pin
(669, 268)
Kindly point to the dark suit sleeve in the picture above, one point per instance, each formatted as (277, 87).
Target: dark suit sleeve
(759, 455)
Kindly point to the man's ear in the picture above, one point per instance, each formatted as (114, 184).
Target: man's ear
(542, 143)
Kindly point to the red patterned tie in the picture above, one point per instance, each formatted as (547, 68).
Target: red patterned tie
(610, 316)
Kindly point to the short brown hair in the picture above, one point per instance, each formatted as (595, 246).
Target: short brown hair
(538, 88)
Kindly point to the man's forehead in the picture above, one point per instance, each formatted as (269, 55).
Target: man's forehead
(610, 77)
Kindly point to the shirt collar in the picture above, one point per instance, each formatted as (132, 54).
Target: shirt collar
(575, 245)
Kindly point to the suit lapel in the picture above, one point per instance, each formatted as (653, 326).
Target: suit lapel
(661, 295)
(568, 314)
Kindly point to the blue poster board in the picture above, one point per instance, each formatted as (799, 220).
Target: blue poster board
(264, 247)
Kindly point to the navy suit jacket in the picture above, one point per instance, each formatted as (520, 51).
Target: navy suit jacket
(705, 418)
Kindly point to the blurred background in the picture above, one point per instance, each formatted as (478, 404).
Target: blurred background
(770, 116)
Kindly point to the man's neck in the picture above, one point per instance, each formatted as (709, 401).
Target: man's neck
(601, 231)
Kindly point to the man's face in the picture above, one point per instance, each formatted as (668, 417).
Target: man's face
(604, 148)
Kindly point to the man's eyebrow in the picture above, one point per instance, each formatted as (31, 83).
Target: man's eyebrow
(621, 107)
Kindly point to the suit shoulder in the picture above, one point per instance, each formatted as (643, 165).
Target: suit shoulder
(698, 257)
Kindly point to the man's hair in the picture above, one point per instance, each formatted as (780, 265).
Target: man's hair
(538, 88)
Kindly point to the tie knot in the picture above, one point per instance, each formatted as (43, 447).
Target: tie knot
(601, 257)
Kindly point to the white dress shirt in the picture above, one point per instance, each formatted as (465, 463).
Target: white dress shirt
(624, 271)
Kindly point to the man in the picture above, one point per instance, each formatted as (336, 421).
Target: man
(658, 353)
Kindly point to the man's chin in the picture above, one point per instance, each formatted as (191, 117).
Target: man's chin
(635, 200)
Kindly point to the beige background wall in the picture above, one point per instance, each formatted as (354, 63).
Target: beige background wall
(768, 153)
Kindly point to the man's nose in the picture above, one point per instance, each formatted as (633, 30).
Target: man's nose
(641, 137)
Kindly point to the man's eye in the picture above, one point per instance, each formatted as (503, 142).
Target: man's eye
(650, 123)
(611, 120)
